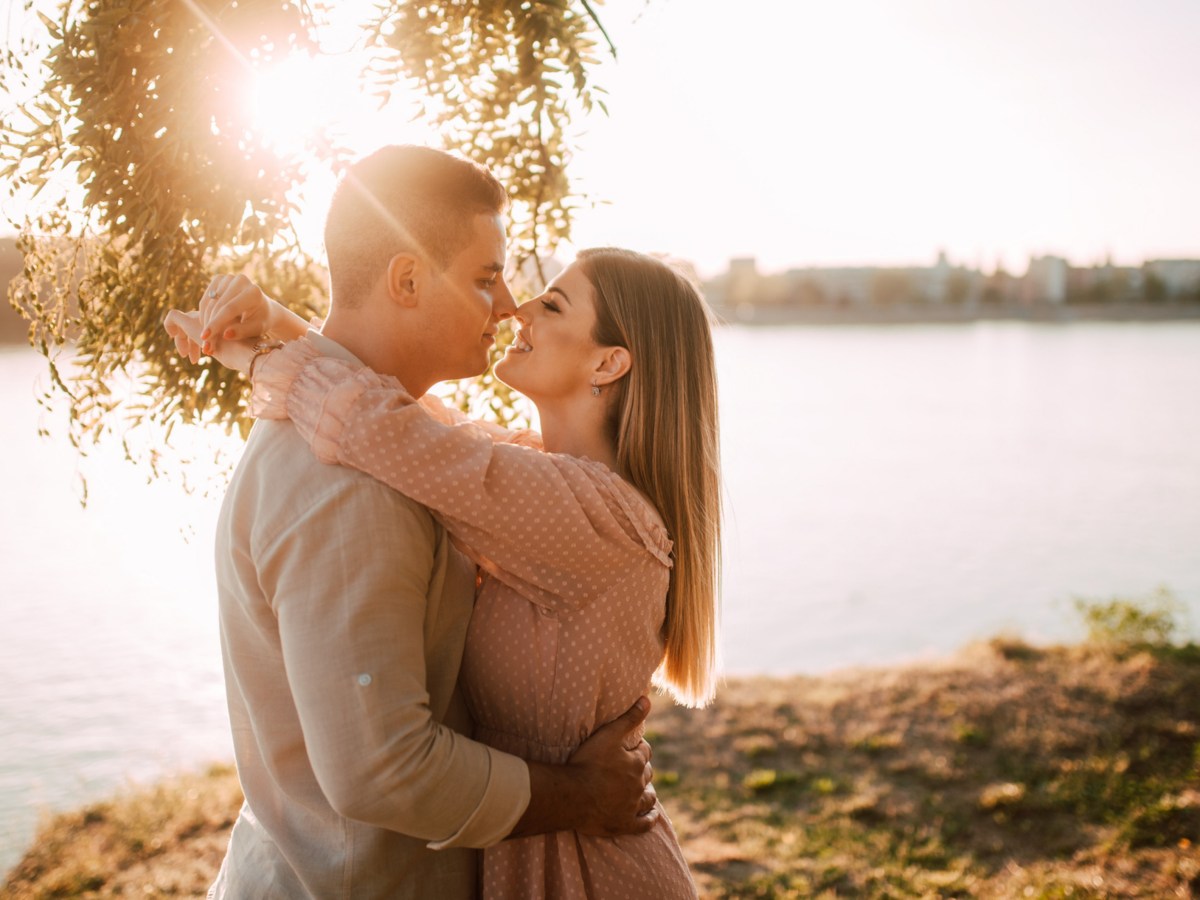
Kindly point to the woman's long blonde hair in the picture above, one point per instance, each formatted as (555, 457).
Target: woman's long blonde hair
(664, 425)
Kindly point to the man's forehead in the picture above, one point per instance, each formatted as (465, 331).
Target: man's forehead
(490, 239)
(490, 246)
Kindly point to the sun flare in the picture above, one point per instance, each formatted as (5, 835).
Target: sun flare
(292, 101)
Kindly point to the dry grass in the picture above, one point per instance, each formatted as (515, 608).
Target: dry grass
(165, 841)
(1006, 771)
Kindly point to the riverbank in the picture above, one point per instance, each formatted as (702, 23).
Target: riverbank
(1005, 770)
(961, 314)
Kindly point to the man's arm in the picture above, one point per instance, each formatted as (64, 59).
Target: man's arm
(348, 582)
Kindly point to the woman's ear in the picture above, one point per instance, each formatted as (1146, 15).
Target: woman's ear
(614, 365)
(403, 273)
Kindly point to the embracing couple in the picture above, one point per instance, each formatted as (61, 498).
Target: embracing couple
(441, 641)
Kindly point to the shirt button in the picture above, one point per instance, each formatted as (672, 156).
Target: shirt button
(364, 679)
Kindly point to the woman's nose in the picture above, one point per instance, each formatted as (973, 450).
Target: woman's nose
(524, 312)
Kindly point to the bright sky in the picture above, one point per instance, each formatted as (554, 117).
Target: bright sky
(867, 131)
(882, 130)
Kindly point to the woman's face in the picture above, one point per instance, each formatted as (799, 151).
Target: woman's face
(554, 355)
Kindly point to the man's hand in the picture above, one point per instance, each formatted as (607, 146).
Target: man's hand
(185, 328)
(604, 789)
(615, 765)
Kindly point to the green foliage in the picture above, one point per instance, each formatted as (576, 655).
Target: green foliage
(1152, 621)
(146, 178)
(504, 79)
(148, 175)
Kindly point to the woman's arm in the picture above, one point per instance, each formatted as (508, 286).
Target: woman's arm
(448, 415)
(551, 526)
(233, 308)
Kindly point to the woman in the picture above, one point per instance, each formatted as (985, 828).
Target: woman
(598, 553)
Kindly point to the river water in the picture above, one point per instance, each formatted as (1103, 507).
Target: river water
(892, 493)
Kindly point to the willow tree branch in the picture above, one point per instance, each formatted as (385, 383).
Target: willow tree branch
(612, 48)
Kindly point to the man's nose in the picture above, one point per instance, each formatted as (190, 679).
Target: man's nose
(503, 304)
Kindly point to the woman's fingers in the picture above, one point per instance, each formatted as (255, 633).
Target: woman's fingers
(239, 311)
(211, 302)
(210, 297)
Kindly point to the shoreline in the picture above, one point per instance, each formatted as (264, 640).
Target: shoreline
(1004, 769)
(1042, 314)
(12, 333)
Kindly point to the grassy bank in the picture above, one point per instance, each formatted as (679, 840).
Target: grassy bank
(1005, 771)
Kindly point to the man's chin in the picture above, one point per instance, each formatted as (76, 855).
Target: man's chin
(458, 373)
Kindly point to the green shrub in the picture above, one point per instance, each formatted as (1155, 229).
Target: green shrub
(1152, 621)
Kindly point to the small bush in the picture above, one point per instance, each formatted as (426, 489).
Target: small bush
(1152, 621)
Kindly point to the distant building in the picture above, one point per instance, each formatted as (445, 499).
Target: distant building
(743, 291)
(1179, 276)
(843, 287)
(743, 281)
(13, 328)
(1046, 280)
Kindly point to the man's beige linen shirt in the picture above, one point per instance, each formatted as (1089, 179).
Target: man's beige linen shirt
(344, 610)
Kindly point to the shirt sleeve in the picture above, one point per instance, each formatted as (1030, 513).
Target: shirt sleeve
(555, 528)
(351, 617)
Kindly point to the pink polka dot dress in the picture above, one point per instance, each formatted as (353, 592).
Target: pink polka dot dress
(574, 567)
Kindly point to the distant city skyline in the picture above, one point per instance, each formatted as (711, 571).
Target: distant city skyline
(940, 256)
(1046, 281)
(868, 132)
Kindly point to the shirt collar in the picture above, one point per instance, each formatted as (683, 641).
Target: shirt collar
(329, 347)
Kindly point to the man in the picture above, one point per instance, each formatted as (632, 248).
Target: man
(344, 607)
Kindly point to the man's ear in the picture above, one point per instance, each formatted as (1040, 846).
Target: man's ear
(403, 273)
(614, 364)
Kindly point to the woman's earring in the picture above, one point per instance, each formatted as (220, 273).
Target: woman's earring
(595, 388)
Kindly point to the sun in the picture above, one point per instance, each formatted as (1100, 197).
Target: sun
(299, 102)
(291, 102)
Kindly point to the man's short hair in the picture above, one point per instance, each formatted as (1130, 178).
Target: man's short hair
(403, 199)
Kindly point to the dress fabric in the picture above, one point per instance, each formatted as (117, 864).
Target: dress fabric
(566, 632)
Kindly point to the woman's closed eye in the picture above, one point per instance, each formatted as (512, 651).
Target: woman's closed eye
(551, 306)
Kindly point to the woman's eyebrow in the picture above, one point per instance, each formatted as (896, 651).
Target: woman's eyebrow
(560, 292)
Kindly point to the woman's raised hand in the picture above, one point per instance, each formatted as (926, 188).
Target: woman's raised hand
(234, 308)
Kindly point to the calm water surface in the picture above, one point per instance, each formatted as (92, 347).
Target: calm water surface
(892, 493)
